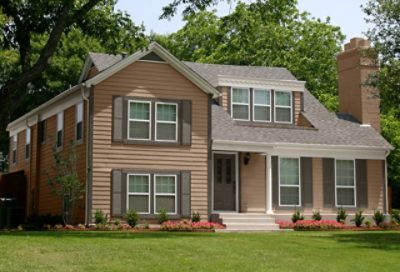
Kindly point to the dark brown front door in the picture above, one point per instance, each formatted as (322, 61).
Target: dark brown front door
(224, 182)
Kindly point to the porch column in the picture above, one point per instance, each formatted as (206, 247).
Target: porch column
(268, 180)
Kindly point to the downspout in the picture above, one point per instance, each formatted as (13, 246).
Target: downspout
(86, 100)
(386, 211)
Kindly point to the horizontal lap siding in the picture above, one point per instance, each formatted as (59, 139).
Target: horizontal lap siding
(375, 184)
(152, 80)
(317, 183)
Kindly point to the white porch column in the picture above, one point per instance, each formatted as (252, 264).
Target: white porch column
(268, 181)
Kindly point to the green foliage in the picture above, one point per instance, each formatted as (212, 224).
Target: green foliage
(65, 183)
(341, 215)
(117, 222)
(378, 217)
(316, 215)
(358, 218)
(196, 217)
(162, 216)
(264, 33)
(100, 217)
(132, 218)
(396, 216)
(297, 216)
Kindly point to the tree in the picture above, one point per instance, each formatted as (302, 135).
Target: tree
(266, 33)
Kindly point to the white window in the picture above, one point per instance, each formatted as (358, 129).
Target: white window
(139, 120)
(139, 193)
(345, 183)
(27, 143)
(240, 104)
(289, 182)
(60, 128)
(283, 107)
(166, 127)
(165, 192)
(261, 105)
(14, 148)
(79, 121)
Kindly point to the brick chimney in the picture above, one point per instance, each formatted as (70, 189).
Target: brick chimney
(355, 97)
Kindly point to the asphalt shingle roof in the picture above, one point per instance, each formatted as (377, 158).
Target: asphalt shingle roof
(103, 61)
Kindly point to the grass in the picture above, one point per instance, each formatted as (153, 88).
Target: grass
(158, 251)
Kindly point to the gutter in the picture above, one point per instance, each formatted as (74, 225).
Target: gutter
(86, 100)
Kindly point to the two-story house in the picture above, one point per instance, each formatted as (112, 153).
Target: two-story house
(242, 144)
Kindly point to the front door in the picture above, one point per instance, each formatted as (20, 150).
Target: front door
(224, 182)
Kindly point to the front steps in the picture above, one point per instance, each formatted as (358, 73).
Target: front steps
(246, 222)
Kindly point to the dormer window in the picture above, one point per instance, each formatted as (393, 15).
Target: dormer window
(283, 107)
(261, 105)
(241, 104)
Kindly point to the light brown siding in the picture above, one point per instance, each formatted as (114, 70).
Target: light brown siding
(375, 184)
(317, 184)
(252, 184)
(296, 106)
(224, 102)
(92, 72)
(152, 80)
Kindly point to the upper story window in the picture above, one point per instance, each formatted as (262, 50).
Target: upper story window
(14, 148)
(79, 121)
(27, 143)
(60, 129)
(345, 183)
(240, 104)
(42, 131)
(139, 120)
(166, 121)
(289, 182)
(261, 105)
(283, 107)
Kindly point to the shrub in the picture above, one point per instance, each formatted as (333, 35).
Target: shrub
(195, 217)
(395, 216)
(117, 222)
(132, 218)
(358, 218)
(368, 224)
(316, 215)
(378, 217)
(316, 225)
(341, 215)
(100, 217)
(185, 225)
(297, 216)
(162, 216)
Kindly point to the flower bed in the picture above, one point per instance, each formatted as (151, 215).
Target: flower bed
(311, 225)
(189, 226)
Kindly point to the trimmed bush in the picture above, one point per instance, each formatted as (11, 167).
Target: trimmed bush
(378, 217)
(358, 218)
(297, 216)
(341, 215)
(131, 218)
(162, 216)
(316, 215)
(196, 217)
(100, 217)
(395, 216)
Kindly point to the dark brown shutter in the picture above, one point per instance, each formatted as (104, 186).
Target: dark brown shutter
(186, 129)
(229, 99)
(329, 182)
(361, 183)
(306, 182)
(117, 122)
(118, 207)
(185, 194)
(275, 181)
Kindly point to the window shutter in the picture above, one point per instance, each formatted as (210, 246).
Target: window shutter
(361, 183)
(117, 125)
(275, 181)
(306, 182)
(118, 193)
(185, 194)
(186, 122)
(329, 182)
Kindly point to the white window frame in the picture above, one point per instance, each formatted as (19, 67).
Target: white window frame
(165, 194)
(286, 185)
(284, 107)
(262, 105)
(148, 194)
(243, 104)
(14, 148)
(78, 119)
(27, 142)
(156, 122)
(354, 187)
(138, 120)
(60, 127)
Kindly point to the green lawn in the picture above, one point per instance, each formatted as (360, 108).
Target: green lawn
(282, 251)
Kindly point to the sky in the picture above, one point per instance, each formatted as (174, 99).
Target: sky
(344, 13)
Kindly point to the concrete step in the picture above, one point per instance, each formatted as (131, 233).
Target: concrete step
(243, 222)
(244, 215)
(252, 226)
(248, 220)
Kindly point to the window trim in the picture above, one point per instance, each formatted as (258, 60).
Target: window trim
(284, 107)
(129, 119)
(146, 194)
(261, 105)
(61, 113)
(156, 122)
(165, 194)
(80, 104)
(14, 149)
(286, 185)
(27, 143)
(354, 187)
(243, 104)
